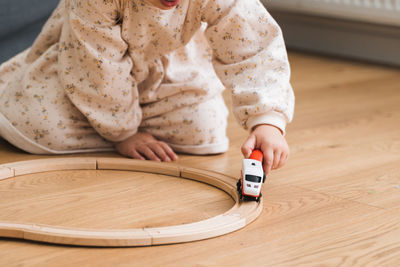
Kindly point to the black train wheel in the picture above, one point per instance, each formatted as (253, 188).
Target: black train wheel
(258, 199)
(239, 188)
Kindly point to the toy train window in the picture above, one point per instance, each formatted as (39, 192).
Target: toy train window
(253, 178)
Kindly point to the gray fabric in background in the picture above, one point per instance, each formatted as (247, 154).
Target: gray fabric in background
(20, 23)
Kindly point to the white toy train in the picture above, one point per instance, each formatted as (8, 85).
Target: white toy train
(252, 177)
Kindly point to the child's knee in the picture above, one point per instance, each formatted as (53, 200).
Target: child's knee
(198, 129)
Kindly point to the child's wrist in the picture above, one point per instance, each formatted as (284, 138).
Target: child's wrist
(266, 125)
(272, 118)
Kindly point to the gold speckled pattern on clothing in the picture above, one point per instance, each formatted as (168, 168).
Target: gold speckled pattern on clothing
(101, 69)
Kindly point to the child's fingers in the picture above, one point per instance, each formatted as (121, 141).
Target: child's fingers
(148, 153)
(277, 159)
(160, 152)
(248, 146)
(283, 159)
(268, 160)
(168, 150)
(134, 154)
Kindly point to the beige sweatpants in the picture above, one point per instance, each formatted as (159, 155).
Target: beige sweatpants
(195, 129)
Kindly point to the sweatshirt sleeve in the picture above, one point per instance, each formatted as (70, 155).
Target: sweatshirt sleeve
(95, 69)
(251, 60)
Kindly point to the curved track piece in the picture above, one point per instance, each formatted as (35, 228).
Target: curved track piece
(240, 215)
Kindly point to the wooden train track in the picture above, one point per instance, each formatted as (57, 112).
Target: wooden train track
(241, 214)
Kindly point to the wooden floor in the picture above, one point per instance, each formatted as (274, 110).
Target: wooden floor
(336, 202)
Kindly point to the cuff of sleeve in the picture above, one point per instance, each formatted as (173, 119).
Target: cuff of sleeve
(273, 118)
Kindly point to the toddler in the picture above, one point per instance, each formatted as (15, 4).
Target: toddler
(145, 77)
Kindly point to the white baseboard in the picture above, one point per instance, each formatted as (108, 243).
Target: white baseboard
(373, 11)
(376, 43)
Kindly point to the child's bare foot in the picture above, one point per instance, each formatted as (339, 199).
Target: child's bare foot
(144, 146)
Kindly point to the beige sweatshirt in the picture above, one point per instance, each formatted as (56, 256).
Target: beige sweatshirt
(110, 63)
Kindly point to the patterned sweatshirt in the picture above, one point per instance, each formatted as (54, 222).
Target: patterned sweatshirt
(111, 63)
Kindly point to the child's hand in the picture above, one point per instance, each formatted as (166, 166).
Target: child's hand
(271, 142)
(144, 146)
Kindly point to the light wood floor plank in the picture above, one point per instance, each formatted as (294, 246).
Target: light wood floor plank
(336, 202)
